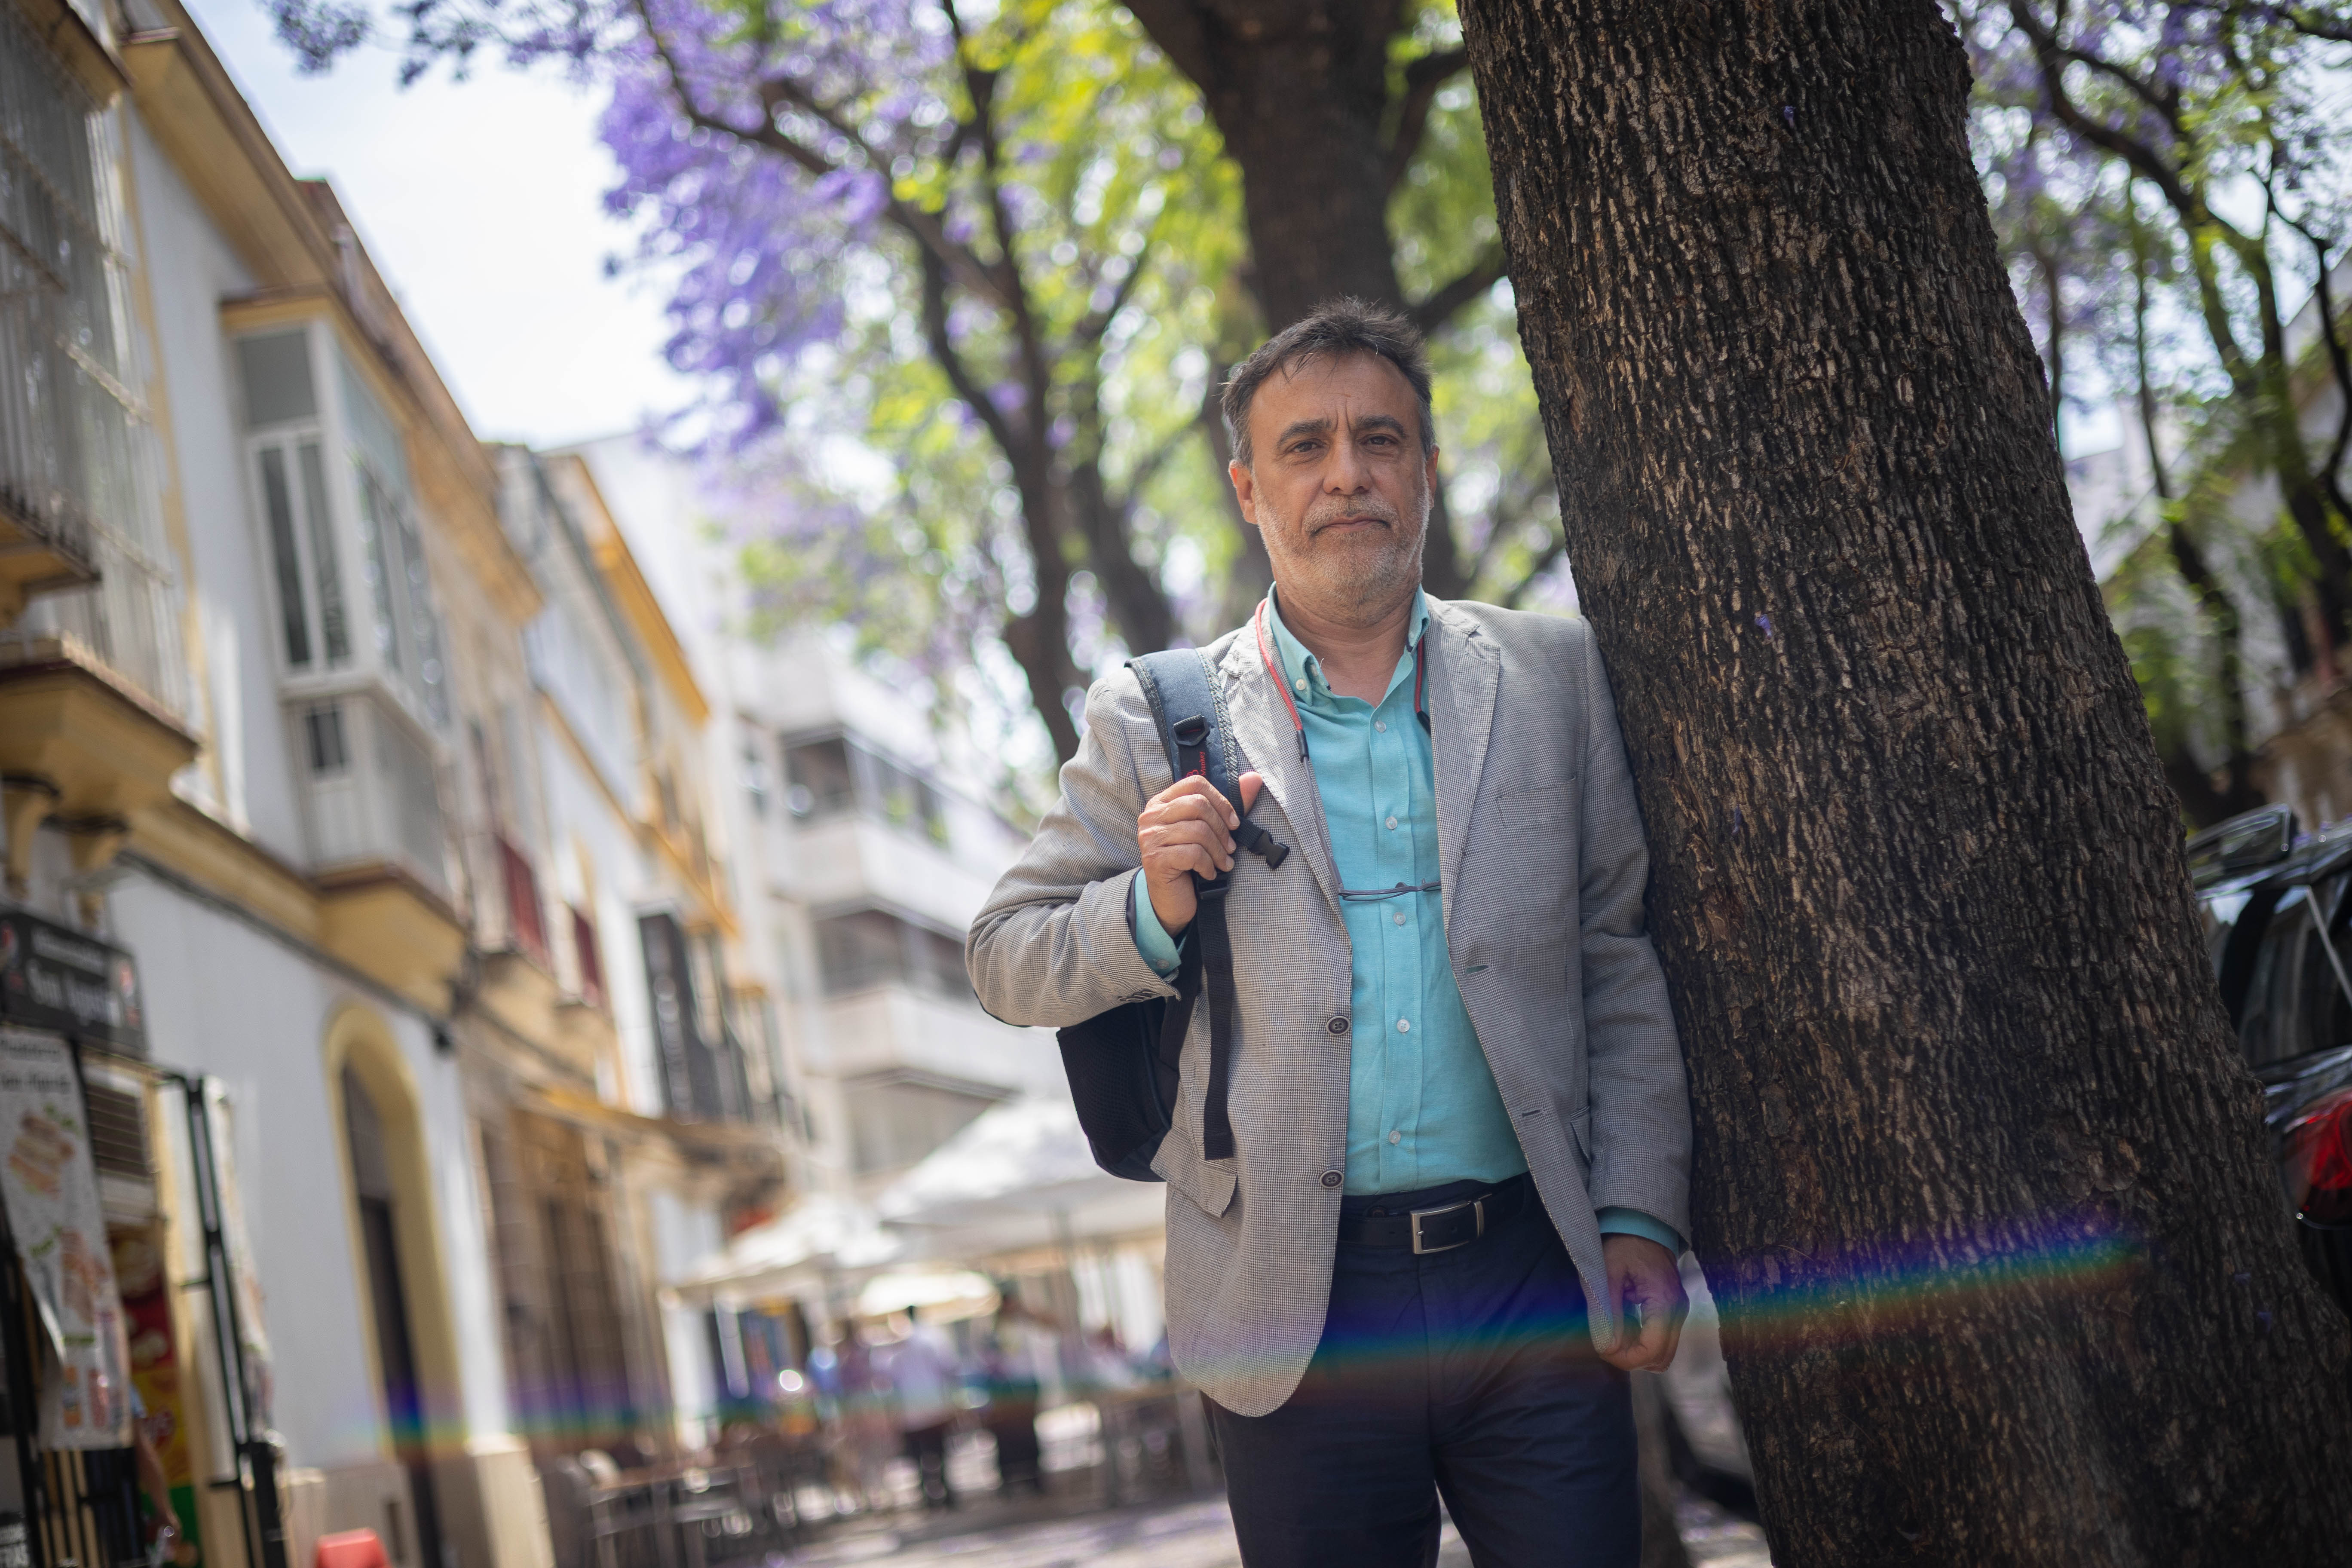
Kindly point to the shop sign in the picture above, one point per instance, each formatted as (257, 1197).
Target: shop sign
(51, 1190)
(54, 977)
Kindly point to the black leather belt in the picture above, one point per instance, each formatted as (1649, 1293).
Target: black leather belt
(1442, 1228)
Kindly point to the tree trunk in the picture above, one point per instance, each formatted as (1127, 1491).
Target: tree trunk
(1979, 1181)
(1299, 89)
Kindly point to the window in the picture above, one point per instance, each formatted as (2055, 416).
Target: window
(872, 947)
(818, 773)
(526, 924)
(837, 774)
(701, 1062)
(322, 727)
(755, 776)
(591, 964)
(318, 518)
(302, 552)
(81, 468)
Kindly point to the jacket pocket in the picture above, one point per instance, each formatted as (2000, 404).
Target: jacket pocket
(1580, 1128)
(1209, 1185)
(1533, 808)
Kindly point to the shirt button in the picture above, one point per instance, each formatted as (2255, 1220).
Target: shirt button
(1300, 686)
(1399, 917)
(1339, 1023)
(1332, 1178)
(1405, 1025)
(1391, 824)
(1396, 1137)
(1381, 725)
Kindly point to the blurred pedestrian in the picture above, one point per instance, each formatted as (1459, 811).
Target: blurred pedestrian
(923, 1373)
(1011, 1365)
(867, 1430)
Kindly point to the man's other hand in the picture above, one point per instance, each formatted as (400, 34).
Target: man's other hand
(1642, 1274)
(1187, 827)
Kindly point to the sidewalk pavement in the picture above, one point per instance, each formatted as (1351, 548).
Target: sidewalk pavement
(1198, 1533)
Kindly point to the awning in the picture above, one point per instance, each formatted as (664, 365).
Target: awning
(816, 1239)
(1020, 1176)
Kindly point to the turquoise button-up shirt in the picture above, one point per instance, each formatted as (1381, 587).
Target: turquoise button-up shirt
(1422, 1109)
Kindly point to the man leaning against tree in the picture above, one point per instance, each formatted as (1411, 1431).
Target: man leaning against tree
(1457, 1101)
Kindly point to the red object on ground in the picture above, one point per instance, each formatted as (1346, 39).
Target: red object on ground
(352, 1549)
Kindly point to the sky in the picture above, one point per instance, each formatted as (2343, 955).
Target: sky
(481, 203)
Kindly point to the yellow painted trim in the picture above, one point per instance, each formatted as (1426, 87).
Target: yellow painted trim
(358, 1037)
(384, 923)
(208, 129)
(208, 852)
(380, 920)
(618, 565)
(106, 748)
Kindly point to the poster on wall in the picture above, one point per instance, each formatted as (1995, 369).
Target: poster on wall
(51, 1190)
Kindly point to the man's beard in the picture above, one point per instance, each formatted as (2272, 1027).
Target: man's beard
(1345, 577)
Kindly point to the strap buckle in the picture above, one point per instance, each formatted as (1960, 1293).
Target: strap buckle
(1478, 1208)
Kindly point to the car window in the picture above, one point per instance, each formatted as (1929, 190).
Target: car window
(2267, 994)
(2326, 1015)
(2296, 1001)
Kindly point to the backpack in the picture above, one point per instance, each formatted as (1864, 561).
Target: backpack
(1122, 1065)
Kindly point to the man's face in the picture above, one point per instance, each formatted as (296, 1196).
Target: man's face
(1338, 484)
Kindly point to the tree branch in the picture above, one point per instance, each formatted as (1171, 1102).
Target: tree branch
(1013, 443)
(1091, 329)
(2135, 152)
(2339, 363)
(1422, 77)
(1445, 302)
(922, 227)
(1012, 290)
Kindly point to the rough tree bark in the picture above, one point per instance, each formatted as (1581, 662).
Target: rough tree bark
(1980, 1180)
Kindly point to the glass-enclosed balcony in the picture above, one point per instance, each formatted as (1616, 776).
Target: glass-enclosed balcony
(354, 631)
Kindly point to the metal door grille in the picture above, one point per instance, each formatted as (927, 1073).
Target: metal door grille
(91, 1515)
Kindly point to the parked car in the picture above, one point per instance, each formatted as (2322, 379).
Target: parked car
(2277, 909)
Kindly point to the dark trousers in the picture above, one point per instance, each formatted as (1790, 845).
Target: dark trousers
(1468, 1373)
(1014, 1424)
(927, 1447)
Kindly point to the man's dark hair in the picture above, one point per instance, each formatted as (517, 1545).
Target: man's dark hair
(1334, 329)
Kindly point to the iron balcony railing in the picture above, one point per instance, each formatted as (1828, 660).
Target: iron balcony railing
(80, 486)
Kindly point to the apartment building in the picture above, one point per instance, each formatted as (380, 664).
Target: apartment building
(355, 810)
(865, 844)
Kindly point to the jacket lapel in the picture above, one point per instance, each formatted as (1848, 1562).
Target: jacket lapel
(1464, 675)
(1262, 728)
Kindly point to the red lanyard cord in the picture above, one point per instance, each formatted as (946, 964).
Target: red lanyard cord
(1266, 653)
(1281, 687)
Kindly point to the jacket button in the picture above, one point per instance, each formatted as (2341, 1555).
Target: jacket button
(1338, 1026)
(1332, 1178)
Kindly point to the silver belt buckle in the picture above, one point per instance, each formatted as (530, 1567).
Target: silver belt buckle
(1479, 1204)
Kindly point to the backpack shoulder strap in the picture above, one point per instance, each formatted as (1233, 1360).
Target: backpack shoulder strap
(1196, 733)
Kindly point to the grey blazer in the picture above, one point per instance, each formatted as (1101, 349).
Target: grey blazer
(1544, 867)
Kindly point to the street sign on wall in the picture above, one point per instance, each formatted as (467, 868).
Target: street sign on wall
(56, 978)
